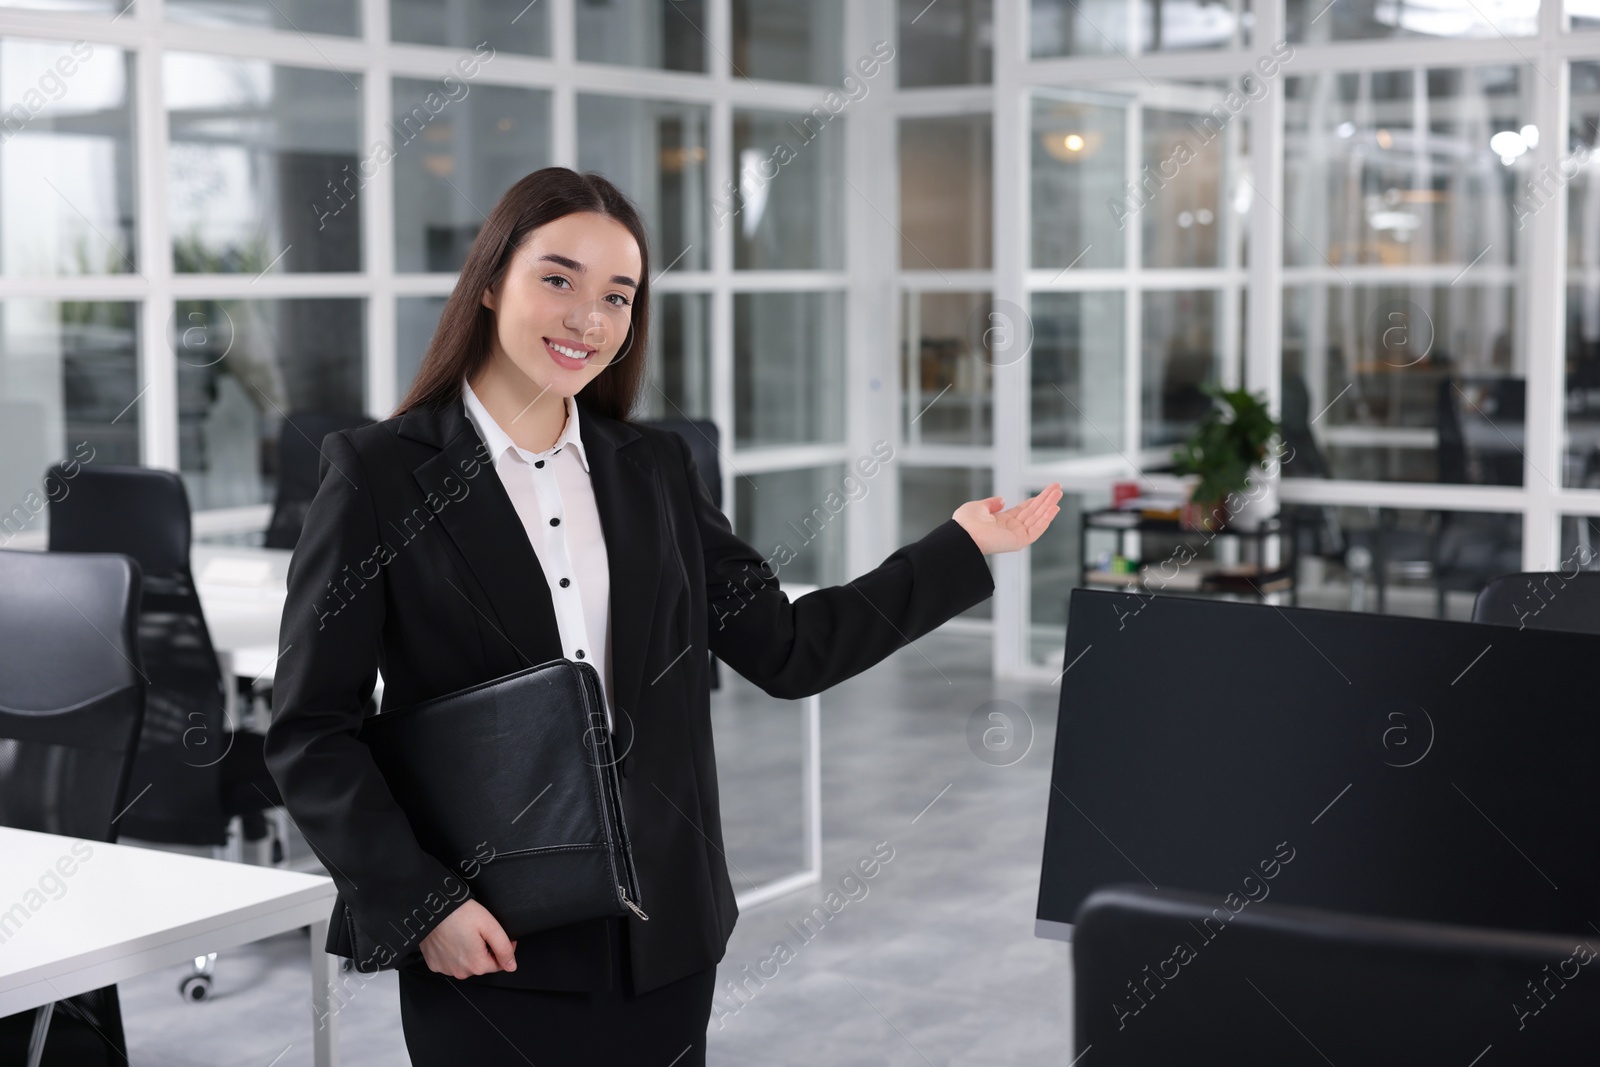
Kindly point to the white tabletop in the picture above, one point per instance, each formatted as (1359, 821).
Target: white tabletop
(84, 914)
(242, 591)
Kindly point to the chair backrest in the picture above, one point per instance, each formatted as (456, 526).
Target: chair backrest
(704, 444)
(72, 692)
(1501, 404)
(1309, 459)
(1162, 976)
(137, 511)
(144, 513)
(1318, 528)
(1544, 600)
(299, 454)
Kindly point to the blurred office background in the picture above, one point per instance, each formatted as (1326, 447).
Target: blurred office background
(1011, 239)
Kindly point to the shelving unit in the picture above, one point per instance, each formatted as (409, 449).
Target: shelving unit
(1170, 570)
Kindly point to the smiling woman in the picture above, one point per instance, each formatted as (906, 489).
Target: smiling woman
(596, 540)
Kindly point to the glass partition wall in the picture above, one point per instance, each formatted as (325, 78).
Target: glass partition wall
(1350, 209)
(215, 215)
(971, 246)
(1362, 212)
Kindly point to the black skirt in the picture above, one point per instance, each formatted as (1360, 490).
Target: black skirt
(449, 1022)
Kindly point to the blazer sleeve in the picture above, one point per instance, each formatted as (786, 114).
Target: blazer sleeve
(795, 649)
(327, 668)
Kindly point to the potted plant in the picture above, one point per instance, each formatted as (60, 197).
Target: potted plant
(1225, 450)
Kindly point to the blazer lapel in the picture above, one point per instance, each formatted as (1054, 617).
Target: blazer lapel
(479, 517)
(485, 526)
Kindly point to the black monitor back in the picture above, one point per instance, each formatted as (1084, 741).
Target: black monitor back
(1411, 768)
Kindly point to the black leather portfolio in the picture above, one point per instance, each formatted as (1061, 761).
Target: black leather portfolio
(513, 785)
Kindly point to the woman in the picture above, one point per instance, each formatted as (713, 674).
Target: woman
(509, 514)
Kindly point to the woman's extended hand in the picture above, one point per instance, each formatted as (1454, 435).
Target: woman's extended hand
(1006, 531)
(469, 941)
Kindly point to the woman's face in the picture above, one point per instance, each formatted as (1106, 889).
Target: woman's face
(564, 307)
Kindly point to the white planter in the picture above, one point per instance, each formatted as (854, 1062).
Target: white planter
(1261, 498)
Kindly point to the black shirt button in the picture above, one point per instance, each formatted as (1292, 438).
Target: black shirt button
(580, 653)
(555, 522)
(565, 582)
(538, 463)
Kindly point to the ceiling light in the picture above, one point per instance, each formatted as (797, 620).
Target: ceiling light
(1070, 146)
(1508, 145)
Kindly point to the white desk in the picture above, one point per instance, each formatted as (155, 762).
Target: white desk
(128, 911)
(242, 591)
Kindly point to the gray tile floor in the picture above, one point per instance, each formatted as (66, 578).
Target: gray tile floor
(936, 963)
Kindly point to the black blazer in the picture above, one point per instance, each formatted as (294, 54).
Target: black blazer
(413, 560)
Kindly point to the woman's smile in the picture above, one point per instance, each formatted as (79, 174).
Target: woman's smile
(572, 355)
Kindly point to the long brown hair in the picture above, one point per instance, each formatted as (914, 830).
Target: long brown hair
(462, 341)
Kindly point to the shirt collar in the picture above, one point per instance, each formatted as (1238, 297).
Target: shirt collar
(498, 440)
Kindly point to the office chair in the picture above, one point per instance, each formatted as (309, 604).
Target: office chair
(201, 774)
(1317, 525)
(1370, 548)
(704, 442)
(299, 444)
(1163, 977)
(1544, 600)
(71, 704)
(1458, 551)
(1470, 548)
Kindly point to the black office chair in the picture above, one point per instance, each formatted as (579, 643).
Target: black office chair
(704, 442)
(71, 704)
(299, 443)
(1370, 548)
(1315, 525)
(201, 774)
(1544, 600)
(1164, 977)
(1470, 548)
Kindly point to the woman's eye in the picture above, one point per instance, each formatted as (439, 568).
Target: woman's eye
(619, 300)
(556, 278)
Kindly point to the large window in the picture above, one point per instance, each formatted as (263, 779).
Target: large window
(66, 159)
(267, 219)
(1401, 306)
(69, 376)
(1390, 176)
(1580, 453)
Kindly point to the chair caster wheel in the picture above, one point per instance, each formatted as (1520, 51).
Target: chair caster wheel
(347, 965)
(196, 987)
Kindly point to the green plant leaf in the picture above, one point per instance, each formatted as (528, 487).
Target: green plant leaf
(1227, 444)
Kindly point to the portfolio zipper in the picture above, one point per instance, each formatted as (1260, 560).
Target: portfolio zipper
(624, 894)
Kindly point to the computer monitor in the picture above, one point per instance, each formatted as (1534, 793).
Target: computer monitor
(1413, 768)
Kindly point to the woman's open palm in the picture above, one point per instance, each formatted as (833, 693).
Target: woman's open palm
(1006, 531)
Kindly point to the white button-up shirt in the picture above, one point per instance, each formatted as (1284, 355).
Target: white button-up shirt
(555, 501)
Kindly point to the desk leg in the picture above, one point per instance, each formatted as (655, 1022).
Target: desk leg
(811, 773)
(324, 1019)
(230, 691)
(41, 1029)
